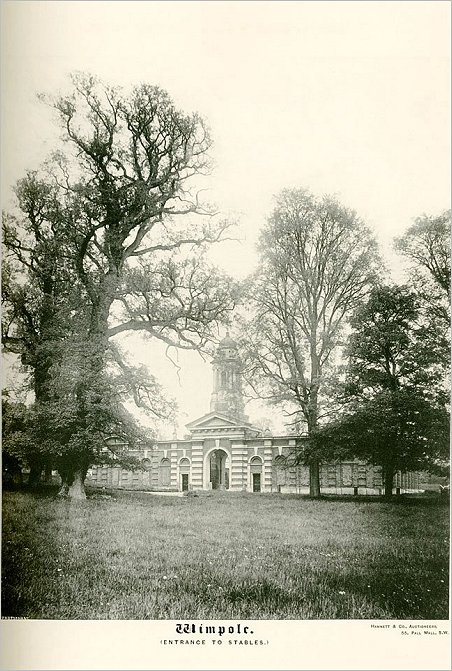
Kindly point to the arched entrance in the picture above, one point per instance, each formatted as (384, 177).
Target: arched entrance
(184, 474)
(280, 472)
(255, 467)
(219, 469)
(165, 473)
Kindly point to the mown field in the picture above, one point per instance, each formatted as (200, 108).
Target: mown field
(136, 556)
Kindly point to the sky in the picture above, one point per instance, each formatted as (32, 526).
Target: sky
(350, 98)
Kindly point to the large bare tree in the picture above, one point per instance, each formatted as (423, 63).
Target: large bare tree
(426, 247)
(117, 211)
(426, 244)
(317, 262)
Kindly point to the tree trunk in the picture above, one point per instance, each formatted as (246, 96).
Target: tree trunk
(48, 473)
(34, 475)
(313, 411)
(77, 487)
(314, 463)
(388, 479)
(63, 491)
(314, 479)
(64, 487)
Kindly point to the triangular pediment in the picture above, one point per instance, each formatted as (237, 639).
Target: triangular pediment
(213, 420)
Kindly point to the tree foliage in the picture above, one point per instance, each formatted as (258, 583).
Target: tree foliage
(39, 291)
(15, 435)
(395, 413)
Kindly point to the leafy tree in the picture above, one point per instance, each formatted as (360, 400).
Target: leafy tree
(318, 261)
(39, 293)
(37, 281)
(118, 190)
(396, 415)
(77, 437)
(15, 437)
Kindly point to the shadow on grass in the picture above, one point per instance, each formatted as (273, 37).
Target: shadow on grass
(382, 592)
(422, 499)
(417, 594)
(41, 490)
(402, 499)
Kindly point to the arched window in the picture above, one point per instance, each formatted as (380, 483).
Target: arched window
(184, 465)
(146, 463)
(223, 379)
(256, 465)
(165, 472)
(280, 470)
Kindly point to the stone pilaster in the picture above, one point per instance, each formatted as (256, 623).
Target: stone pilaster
(267, 470)
(173, 458)
(197, 465)
(238, 466)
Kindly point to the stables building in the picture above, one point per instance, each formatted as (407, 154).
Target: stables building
(223, 450)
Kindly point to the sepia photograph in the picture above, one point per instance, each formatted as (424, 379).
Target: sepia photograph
(225, 334)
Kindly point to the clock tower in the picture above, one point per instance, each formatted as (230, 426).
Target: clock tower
(227, 396)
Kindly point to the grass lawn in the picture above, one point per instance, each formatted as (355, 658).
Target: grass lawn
(244, 556)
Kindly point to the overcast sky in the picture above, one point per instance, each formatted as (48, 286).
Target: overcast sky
(351, 98)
